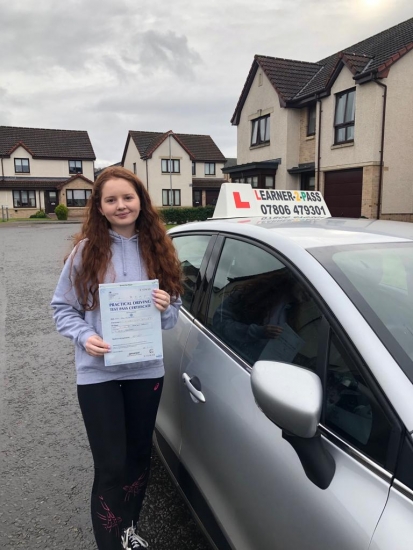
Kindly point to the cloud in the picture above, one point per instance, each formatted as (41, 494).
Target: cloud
(109, 67)
(166, 51)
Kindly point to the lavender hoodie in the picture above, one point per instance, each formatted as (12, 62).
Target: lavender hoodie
(78, 325)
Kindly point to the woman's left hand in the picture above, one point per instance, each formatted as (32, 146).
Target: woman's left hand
(161, 300)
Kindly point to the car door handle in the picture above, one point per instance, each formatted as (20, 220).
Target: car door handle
(191, 384)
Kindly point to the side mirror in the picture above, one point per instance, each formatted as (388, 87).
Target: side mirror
(289, 396)
(292, 397)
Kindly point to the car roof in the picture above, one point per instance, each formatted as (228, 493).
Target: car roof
(310, 233)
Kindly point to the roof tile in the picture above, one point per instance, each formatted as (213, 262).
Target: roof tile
(200, 147)
(294, 80)
(45, 143)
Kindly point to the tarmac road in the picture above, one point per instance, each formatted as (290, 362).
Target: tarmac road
(45, 463)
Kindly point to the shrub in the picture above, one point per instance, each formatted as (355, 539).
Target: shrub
(179, 215)
(61, 212)
(39, 214)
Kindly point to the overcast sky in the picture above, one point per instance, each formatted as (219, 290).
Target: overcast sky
(110, 66)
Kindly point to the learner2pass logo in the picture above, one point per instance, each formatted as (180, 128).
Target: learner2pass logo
(241, 200)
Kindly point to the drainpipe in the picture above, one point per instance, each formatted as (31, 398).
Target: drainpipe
(170, 173)
(319, 145)
(382, 146)
(147, 176)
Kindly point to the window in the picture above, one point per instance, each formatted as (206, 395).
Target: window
(134, 168)
(171, 197)
(24, 199)
(22, 166)
(311, 116)
(75, 167)
(193, 168)
(77, 197)
(260, 130)
(351, 409)
(191, 250)
(260, 309)
(171, 166)
(210, 168)
(344, 117)
(197, 198)
(269, 182)
(259, 182)
(307, 182)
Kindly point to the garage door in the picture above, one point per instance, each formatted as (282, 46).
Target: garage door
(342, 192)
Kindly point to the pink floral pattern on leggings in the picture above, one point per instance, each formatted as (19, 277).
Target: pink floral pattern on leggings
(136, 487)
(109, 520)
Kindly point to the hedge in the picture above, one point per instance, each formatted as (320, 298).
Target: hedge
(182, 215)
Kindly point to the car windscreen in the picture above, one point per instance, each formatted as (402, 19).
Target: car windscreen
(378, 278)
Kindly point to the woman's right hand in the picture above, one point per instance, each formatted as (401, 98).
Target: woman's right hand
(272, 331)
(96, 347)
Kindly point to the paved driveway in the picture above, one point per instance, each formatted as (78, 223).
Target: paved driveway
(45, 465)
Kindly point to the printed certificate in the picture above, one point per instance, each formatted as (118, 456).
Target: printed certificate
(131, 324)
(283, 348)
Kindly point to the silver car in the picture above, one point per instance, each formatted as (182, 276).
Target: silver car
(287, 412)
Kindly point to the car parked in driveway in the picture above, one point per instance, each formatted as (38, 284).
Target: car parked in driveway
(287, 411)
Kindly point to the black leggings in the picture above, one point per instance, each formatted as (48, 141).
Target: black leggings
(119, 417)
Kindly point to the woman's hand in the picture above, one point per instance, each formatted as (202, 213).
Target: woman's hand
(272, 331)
(161, 299)
(96, 347)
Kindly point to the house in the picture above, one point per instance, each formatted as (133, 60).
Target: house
(177, 169)
(98, 171)
(342, 125)
(40, 168)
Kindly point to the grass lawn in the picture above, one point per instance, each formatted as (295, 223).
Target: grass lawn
(30, 220)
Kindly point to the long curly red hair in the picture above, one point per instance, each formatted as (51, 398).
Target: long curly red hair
(156, 247)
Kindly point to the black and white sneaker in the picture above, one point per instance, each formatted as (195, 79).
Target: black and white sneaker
(131, 540)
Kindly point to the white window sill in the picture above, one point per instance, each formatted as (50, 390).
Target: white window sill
(310, 138)
(259, 146)
(341, 145)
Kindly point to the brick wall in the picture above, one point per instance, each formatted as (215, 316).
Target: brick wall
(370, 192)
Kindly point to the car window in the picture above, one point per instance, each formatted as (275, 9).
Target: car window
(191, 250)
(351, 409)
(259, 308)
(378, 279)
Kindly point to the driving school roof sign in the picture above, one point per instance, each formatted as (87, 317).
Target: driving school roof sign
(240, 200)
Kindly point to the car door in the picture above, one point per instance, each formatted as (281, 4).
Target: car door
(262, 308)
(193, 252)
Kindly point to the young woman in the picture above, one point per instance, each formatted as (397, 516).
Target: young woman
(122, 240)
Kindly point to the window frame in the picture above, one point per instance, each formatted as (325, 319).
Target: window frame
(167, 202)
(259, 140)
(167, 163)
(73, 199)
(329, 323)
(28, 191)
(203, 270)
(21, 165)
(74, 170)
(208, 172)
(345, 124)
(311, 119)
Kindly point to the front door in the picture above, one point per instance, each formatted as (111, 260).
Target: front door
(50, 201)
